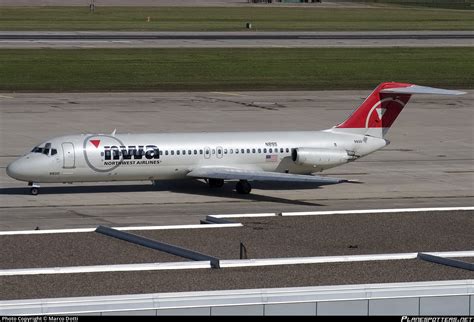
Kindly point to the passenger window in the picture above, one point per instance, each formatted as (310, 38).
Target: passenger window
(166, 152)
(219, 151)
(172, 152)
(225, 151)
(231, 151)
(177, 152)
(287, 150)
(236, 151)
(281, 150)
(189, 152)
(248, 150)
(242, 151)
(270, 150)
(259, 150)
(161, 152)
(213, 151)
(195, 151)
(265, 150)
(200, 151)
(253, 150)
(184, 152)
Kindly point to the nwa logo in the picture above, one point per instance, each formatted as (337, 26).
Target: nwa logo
(380, 112)
(105, 153)
(386, 110)
(132, 152)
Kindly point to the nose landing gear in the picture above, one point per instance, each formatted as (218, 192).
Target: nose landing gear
(34, 190)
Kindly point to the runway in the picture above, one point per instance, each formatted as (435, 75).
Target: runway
(377, 239)
(249, 38)
(263, 237)
(429, 162)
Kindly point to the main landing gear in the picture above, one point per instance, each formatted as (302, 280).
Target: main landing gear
(34, 190)
(242, 187)
(215, 183)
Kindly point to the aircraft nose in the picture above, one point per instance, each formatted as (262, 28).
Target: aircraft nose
(13, 170)
(18, 169)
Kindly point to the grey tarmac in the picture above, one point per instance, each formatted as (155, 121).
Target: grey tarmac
(429, 162)
(95, 284)
(273, 237)
(81, 249)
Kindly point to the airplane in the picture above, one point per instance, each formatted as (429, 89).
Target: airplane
(222, 156)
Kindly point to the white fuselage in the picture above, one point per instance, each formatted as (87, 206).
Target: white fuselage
(125, 157)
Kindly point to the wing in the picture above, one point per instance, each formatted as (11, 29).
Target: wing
(258, 175)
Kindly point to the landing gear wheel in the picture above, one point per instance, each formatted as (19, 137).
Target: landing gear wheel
(34, 191)
(215, 183)
(243, 187)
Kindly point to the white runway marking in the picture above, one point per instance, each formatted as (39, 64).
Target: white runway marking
(88, 230)
(224, 263)
(106, 268)
(343, 212)
(335, 259)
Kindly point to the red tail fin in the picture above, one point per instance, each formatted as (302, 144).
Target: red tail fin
(379, 110)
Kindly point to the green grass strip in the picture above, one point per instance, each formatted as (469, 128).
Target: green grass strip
(233, 18)
(212, 69)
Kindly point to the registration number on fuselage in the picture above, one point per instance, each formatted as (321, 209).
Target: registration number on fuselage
(271, 144)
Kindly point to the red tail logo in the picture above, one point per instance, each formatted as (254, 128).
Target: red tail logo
(379, 110)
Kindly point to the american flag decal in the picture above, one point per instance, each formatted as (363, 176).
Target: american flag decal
(271, 158)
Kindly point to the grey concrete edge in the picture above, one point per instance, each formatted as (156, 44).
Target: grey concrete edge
(183, 300)
(23, 33)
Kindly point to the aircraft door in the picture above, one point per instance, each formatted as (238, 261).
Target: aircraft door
(69, 158)
(207, 152)
(219, 152)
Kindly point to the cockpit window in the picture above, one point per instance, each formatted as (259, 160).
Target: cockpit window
(45, 150)
(37, 149)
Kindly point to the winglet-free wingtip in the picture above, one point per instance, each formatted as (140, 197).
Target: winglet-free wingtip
(352, 181)
(416, 89)
(113, 133)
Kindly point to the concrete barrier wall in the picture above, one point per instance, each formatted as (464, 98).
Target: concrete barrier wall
(421, 298)
(443, 305)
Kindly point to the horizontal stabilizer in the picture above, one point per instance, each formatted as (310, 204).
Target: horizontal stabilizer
(415, 89)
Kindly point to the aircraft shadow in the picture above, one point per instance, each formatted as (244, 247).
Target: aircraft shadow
(192, 187)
